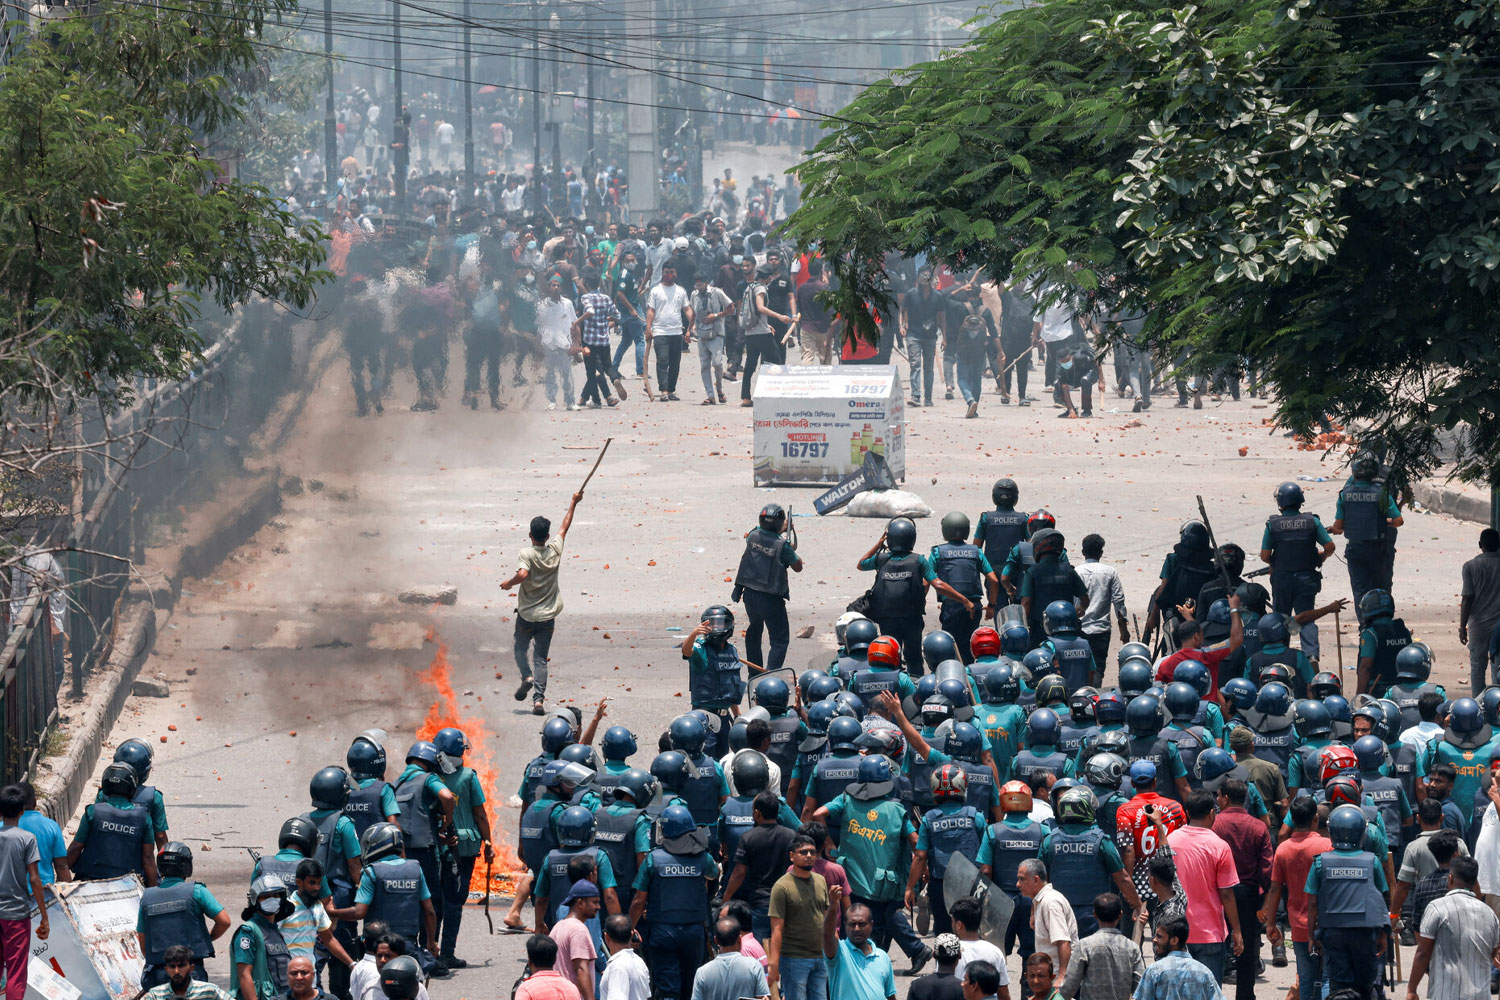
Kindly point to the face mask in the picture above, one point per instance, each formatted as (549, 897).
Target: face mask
(531, 244)
(1065, 365)
(270, 906)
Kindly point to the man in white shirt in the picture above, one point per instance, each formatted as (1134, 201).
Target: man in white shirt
(559, 330)
(1051, 917)
(625, 976)
(669, 326)
(966, 915)
(1105, 593)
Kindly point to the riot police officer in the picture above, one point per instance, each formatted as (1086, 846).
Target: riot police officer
(575, 836)
(174, 912)
(426, 806)
(1367, 516)
(1413, 667)
(137, 753)
(538, 837)
(1346, 911)
(787, 728)
(762, 584)
(260, 952)
(672, 892)
(623, 831)
(898, 598)
(337, 852)
(714, 681)
(115, 836)
(1041, 754)
(1148, 745)
(706, 788)
(834, 773)
(394, 890)
(858, 635)
(1001, 529)
(1049, 579)
(1380, 640)
(1082, 860)
(1006, 844)
(1072, 654)
(951, 827)
(616, 747)
(966, 569)
(1185, 571)
(471, 828)
(1295, 544)
(295, 843)
(374, 801)
(556, 734)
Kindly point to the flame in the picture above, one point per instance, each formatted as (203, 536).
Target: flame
(445, 712)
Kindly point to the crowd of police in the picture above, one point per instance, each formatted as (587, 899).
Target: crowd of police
(994, 738)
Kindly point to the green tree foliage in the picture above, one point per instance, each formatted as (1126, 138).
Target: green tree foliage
(1313, 186)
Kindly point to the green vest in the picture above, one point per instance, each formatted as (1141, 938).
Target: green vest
(469, 840)
(260, 969)
(875, 855)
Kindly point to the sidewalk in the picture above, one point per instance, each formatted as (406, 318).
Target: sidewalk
(1463, 501)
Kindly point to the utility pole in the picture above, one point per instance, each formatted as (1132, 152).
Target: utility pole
(401, 147)
(588, 69)
(468, 110)
(536, 108)
(559, 188)
(330, 127)
(640, 116)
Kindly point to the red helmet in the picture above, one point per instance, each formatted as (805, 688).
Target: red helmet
(949, 782)
(985, 642)
(1015, 796)
(1336, 760)
(1039, 520)
(885, 651)
(1342, 789)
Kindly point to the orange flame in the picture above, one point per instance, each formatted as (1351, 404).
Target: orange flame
(445, 712)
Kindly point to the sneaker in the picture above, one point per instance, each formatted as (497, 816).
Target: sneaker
(612, 401)
(551, 406)
(574, 407)
(948, 394)
(523, 690)
(619, 381)
(973, 410)
(1137, 408)
(1024, 402)
(1278, 954)
(928, 403)
(537, 709)
(1086, 413)
(916, 401)
(596, 405)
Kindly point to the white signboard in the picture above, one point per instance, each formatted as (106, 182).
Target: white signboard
(814, 424)
(91, 950)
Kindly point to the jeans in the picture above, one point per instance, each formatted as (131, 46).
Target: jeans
(922, 353)
(632, 331)
(768, 612)
(760, 923)
(540, 634)
(1294, 593)
(891, 924)
(1211, 955)
(758, 348)
(711, 366)
(1018, 361)
(559, 371)
(598, 372)
(1247, 901)
(804, 979)
(673, 952)
(970, 379)
(668, 350)
(1309, 973)
(482, 353)
(456, 875)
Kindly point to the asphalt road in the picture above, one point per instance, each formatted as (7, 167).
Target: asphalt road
(298, 642)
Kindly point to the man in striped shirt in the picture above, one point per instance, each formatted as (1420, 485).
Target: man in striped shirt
(598, 313)
(180, 984)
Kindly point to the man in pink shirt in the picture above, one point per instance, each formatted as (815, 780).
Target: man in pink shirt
(832, 872)
(575, 945)
(1294, 857)
(543, 982)
(1205, 867)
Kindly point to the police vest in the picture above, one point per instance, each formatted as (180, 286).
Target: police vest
(169, 916)
(870, 682)
(657, 806)
(919, 772)
(418, 825)
(847, 666)
(952, 833)
(718, 684)
(736, 816)
(1028, 764)
(1110, 800)
(1385, 791)
(1286, 657)
(981, 794)
(832, 775)
(1184, 584)
(1002, 530)
(678, 892)
(605, 782)
(1391, 637)
(1364, 511)
(114, 842)
(556, 863)
(1347, 896)
(702, 792)
(760, 566)
(1071, 738)
(1406, 700)
(1294, 542)
(1077, 867)
(1276, 746)
(363, 807)
(783, 748)
(1050, 581)
(398, 895)
(1206, 710)
(1404, 768)
(329, 853)
(1190, 743)
(1154, 749)
(537, 835)
(957, 565)
(532, 776)
(283, 868)
(899, 590)
(614, 833)
(271, 958)
(1311, 769)
(1009, 846)
(1075, 658)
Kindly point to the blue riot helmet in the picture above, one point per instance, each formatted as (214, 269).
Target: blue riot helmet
(1340, 715)
(1132, 651)
(1413, 665)
(451, 742)
(1038, 663)
(842, 732)
(1376, 603)
(876, 769)
(636, 785)
(670, 769)
(772, 694)
(936, 711)
(423, 752)
(819, 715)
(739, 735)
(618, 743)
(1323, 684)
(1157, 691)
(1213, 762)
(1391, 728)
(1489, 701)
(1289, 496)
(1042, 728)
(1219, 613)
(366, 758)
(580, 753)
(937, 647)
(859, 634)
(1001, 686)
(1059, 617)
(1465, 716)
(688, 735)
(1181, 701)
(1195, 674)
(1109, 710)
(805, 679)
(965, 742)
(901, 535)
(957, 693)
(823, 687)
(1371, 752)
(1239, 693)
(380, 840)
(1273, 700)
(1311, 719)
(556, 734)
(1143, 715)
(1371, 711)
(1346, 827)
(1015, 640)
(1273, 629)
(137, 753)
(851, 702)
(329, 788)
(1135, 678)
(676, 821)
(575, 827)
(926, 688)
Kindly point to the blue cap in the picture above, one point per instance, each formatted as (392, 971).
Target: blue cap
(582, 889)
(1143, 772)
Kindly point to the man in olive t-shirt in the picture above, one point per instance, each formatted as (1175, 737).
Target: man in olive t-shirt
(799, 902)
(538, 602)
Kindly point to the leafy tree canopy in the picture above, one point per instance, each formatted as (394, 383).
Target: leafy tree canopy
(1313, 186)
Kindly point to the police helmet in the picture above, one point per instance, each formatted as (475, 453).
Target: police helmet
(1392, 727)
(175, 860)
(366, 758)
(688, 735)
(966, 742)
(772, 517)
(575, 827)
(581, 754)
(1132, 651)
(1311, 718)
(1489, 701)
(1289, 496)
(720, 622)
(984, 642)
(1060, 616)
(1194, 674)
(1239, 693)
(1037, 664)
(1376, 603)
(268, 885)
(805, 679)
(1081, 704)
(1372, 712)
(1015, 797)
(842, 732)
(1142, 774)
(851, 703)
(1213, 762)
(300, 834)
(881, 737)
(1278, 672)
(1109, 710)
(957, 692)
(676, 821)
(949, 782)
(1143, 715)
(1015, 640)
(1365, 466)
(1219, 613)
(859, 635)
(1465, 716)
(823, 687)
(1076, 805)
(1038, 521)
(1346, 827)
(1323, 684)
(751, 772)
(556, 734)
(137, 753)
(819, 715)
(1273, 629)
(885, 651)
(1372, 753)
(121, 780)
(936, 711)
(739, 735)
(423, 752)
(618, 743)
(329, 788)
(380, 840)
(1339, 715)
(1413, 665)
(1001, 686)
(841, 626)
(639, 786)
(1005, 494)
(772, 694)
(901, 535)
(566, 775)
(1193, 534)
(670, 769)
(451, 742)
(1181, 701)
(955, 527)
(875, 769)
(401, 978)
(1105, 770)
(1345, 789)
(1135, 677)
(1048, 541)
(1336, 760)
(1051, 690)
(1116, 741)
(1042, 728)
